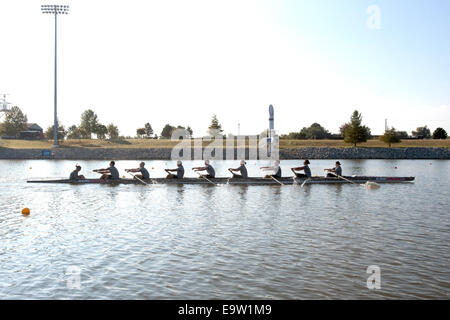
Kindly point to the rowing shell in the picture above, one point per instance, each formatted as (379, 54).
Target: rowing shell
(237, 181)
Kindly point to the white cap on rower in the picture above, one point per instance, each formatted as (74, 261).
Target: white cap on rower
(206, 162)
(277, 162)
(179, 162)
(243, 162)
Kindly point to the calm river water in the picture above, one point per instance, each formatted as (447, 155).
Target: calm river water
(230, 242)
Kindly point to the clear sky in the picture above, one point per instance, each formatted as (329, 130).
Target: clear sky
(181, 61)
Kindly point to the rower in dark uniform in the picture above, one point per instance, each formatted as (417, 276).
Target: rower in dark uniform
(305, 169)
(242, 170)
(110, 173)
(337, 171)
(210, 173)
(144, 173)
(179, 171)
(275, 168)
(74, 175)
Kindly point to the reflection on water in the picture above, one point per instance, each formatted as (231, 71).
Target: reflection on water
(185, 241)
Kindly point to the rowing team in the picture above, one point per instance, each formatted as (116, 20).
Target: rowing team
(178, 173)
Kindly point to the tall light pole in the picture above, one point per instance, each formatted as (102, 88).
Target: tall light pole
(55, 10)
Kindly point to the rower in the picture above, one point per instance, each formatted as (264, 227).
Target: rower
(242, 169)
(275, 168)
(208, 168)
(74, 175)
(110, 173)
(144, 173)
(337, 170)
(179, 171)
(305, 168)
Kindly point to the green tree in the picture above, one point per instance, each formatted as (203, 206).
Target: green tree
(440, 133)
(74, 132)
(422, 132)
(113, 131)
(166, 132)
(148, 130)
(342, 129)
(61, 132)
(140, 132)
(89, 122)
(191, 133)
(215, 127)
(355, 132)
(315, 131)
(15, 122)
(101, 131)
(390, 136)
(402, 134)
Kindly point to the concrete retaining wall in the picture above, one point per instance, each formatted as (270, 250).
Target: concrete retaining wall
(165, 154)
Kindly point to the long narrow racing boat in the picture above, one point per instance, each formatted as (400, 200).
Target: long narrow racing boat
(248, 181)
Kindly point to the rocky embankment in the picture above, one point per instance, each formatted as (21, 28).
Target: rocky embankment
(365, 153)
(165, 154)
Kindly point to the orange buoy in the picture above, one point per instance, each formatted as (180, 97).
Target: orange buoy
(25, 211)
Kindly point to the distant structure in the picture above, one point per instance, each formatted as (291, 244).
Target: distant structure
(271, 129)
(33, 132)
(5, 106)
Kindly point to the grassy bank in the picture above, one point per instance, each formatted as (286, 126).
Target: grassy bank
(151, 143)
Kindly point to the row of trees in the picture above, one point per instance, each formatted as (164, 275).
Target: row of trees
(353, 132)
(16, 121)
(89, 125)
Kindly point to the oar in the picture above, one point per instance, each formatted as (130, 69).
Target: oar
(303, 184)
(134, 176)
(341, 177)
(203, 177)
(276, 179)
(295, 176)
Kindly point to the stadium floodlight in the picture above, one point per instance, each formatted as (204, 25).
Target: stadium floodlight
(55, 10)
